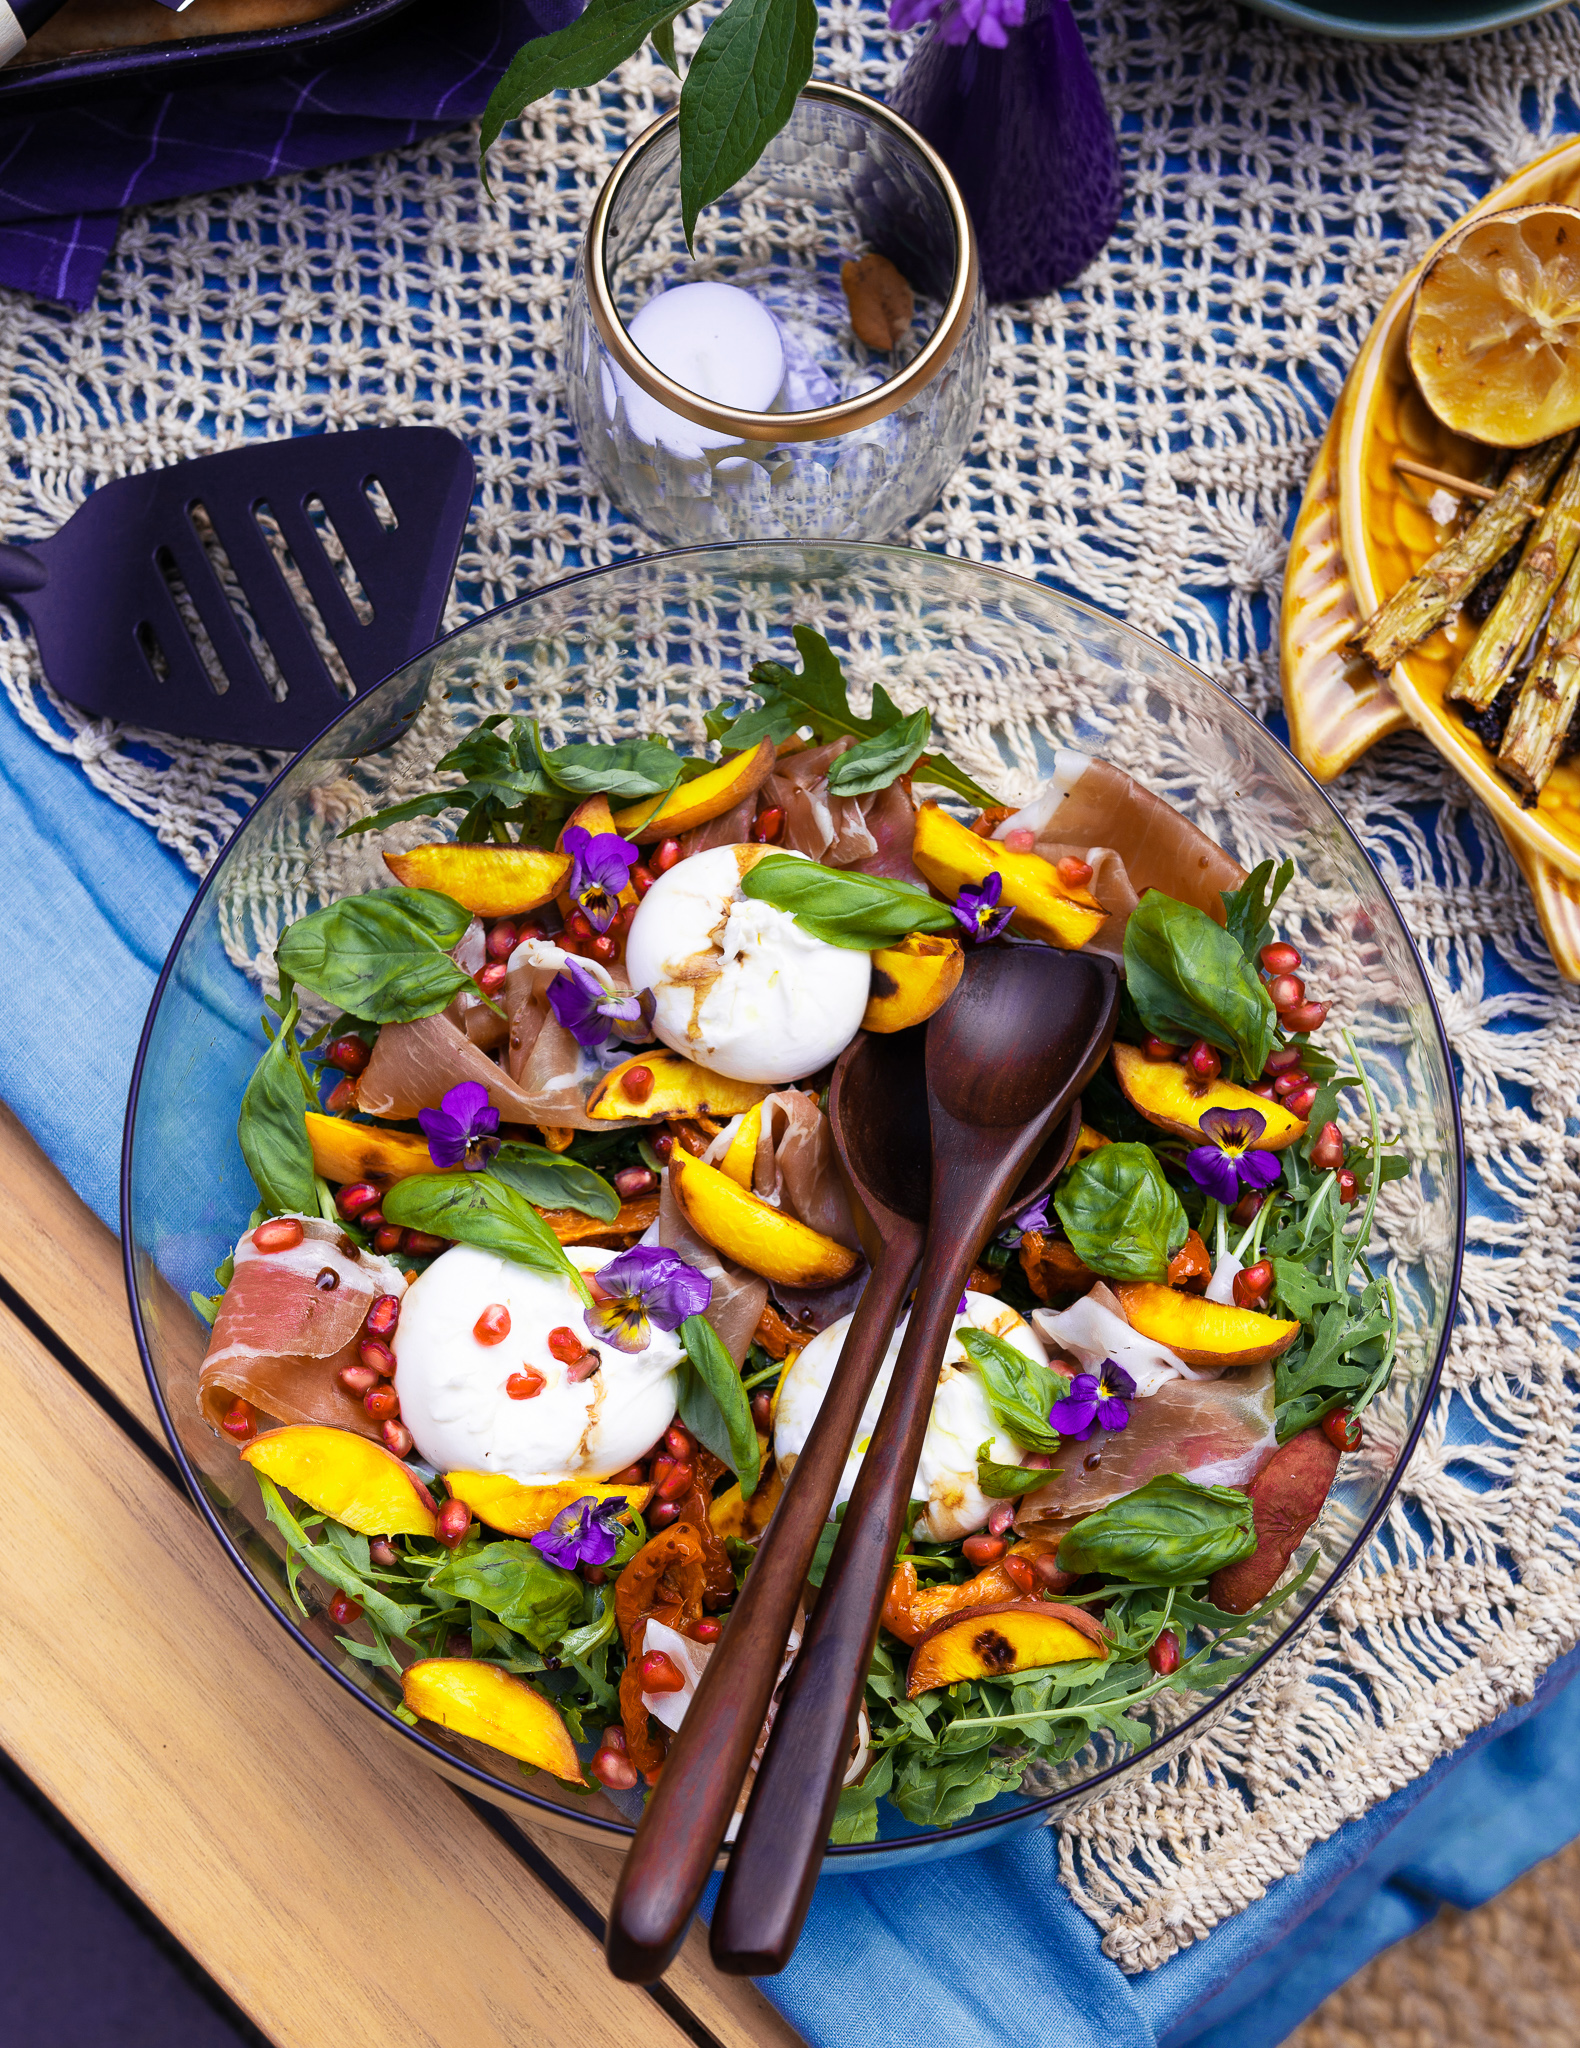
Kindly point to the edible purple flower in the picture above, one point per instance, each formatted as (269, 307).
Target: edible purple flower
(587, 1532)
(1033, 1217)
(592, 1014)
(462, 1131)
(1096, 1400)
(601, 864)
(644, 1286)
(1229, 1162)
(978, 911)
(959, 20)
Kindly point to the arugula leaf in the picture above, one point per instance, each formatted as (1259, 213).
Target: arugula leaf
(1019, 1390)
(875, 763)
(535, 1599)
(739, 92)
(856, 1815)
(332, 1565)
(1250, 907)
(714, 1405)
(1120, 1214)
(1007, 1482)
(1169, 1531)
(385, 955)
(1300, 1290)
(844, 907)
(1189, 979)
(553, 1180)
(272, 1126)
(482, 1210)
(604, 35)
(937, 1794)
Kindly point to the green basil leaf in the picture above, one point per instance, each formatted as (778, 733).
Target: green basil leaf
(875, 763)
(1249, 909)
(385, 956)
(939, 771)
(414, 807)
(1120, 1213)
(584, 53)
(1019, 1390)
(626, 769)
(844, 907)
(331, 1565)
(518, 1585)
(553, 1180)
(272, 1127)
(740, 90)
(480, 1209)
(664, 44)
(1189, 979)
(1169, 1532)
(1007, 1482)
(714, 1405)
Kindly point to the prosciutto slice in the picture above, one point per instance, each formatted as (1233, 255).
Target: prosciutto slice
(415, 1065)
(1217, 1432)
(730, 828)
(281, 1337)
(873, 833)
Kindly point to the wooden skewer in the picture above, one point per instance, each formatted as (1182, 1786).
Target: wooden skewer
(1458, 484)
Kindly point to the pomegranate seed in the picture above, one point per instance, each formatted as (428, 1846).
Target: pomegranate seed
(983, 1550)
(342, 1097)
(1279, 957)
(358, 1379)
(525, 1385)
(707, 1630)
(1282, 1058)
(660, 1673)
(665, 855)
(1290, 1082)
(1349, 1186)
(383, 1553)
(1305, 1017)
(1202, 1060)
(284, 1234)
(240, 1420)
(661, 1467)
(1158, 1048)
(383, 1316)
(564, 1344)
(1268, 1090)
(343, 1609)
(493, 1325)
(767, 825)
(1302, 1100)
(491, 979)
(1164, 1655)
(1019, 1573)
(618, 1773)
(633, 1475)
(502, 940)
(421, 1244)
(603, 947)
(387, 1238)
(614, 1738)
(1073, 873)
(1327, 1149)
(452, 1522)
(677, 1481)
(397, 1438)
(1286, 990)
(1020, 841)
(1050, 1571)
(679, 1443)
(371, 1219)
(382, 1402)
(662, 1513)
(579, 925)
(350, 1054)
(378, 1356)
(1247, 1209)
(631, 1181)
(762, 1412)
(1343, 1431)
(356, 1198)
(642, 878)
(1253, 1284)
(637, 1083)
(1001, 1515)
(594, 1574)
(584, 1367)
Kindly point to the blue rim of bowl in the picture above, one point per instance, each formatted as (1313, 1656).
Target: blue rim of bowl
(1319, 21)
(866, 1853)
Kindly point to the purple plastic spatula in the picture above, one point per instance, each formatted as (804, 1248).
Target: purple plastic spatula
(167, 599)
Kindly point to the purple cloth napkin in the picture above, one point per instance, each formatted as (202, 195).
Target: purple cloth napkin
(66, 176)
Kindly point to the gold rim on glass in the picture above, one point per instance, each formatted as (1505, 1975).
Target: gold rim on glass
(825, 420)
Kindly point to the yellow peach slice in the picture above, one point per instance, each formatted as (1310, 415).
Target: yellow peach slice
(690, 804)
(480, 1700)
(346, 1152)
(490, 881)
(1167, 1093)
(953, 857)
(912, 980)
(1087, 1141)
(747, 1519)
(679, 1087)
(740, 1159)
(753, 1232)
(344, 1475)
(504, 1503)
(996, 1642)
(593, 815)
(1204, 1332)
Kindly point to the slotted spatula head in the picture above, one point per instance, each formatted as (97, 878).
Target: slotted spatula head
(183, 599)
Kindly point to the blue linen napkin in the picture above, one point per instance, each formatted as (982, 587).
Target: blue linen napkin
(66, 177)
(89, 888)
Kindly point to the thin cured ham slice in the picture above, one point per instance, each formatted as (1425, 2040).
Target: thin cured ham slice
(730, 828)
(414, 1066)
(283, 1332)
(873, 833)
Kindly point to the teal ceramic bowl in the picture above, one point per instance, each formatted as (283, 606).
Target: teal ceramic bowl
(1403, 21)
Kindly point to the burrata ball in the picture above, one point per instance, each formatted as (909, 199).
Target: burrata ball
(960, 1423)
(740, 987)
(454, 1386)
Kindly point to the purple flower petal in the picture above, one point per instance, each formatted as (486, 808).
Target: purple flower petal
(1260, 1169)
(1233, 1130)
(1113, 1379)
(586, 1532)
(601, 865)
(1073, 1418)
(1214, 1173)
(645, 1285)
(976, 910)
(1113, 1414)
(460, 1132)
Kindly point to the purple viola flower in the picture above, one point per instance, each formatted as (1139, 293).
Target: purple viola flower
(587, 1532)
(463, 1131)
(601, 864)
(978, 911)
(960, 20)
(646, 1285)
(1229, 1162)
(591, 1014)
(1096, 1400)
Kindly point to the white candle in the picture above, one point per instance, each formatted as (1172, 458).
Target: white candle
(713, 339)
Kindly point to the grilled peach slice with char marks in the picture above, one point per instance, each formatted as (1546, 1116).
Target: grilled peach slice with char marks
(731, 1515)
(489, 881)
(1087, 1141)
(753, 1232)
(912, 980)
(1168, 1094)
(480, 1700)
(1204, 1332)
(345, 1152)
(679, 1087)
(953, 857)
(999, 1642)
(344, 1475)
(520, 1510)
(690, 804)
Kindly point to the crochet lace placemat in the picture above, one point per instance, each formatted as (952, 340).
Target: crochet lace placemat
(1145, 438)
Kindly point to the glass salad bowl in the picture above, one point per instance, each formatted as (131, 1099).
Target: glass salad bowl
(1012, 672)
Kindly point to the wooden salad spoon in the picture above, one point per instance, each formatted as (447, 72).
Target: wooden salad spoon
(1005, 1058)
(878, 1112)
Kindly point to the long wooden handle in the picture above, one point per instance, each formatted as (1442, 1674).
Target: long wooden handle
(681, 1831)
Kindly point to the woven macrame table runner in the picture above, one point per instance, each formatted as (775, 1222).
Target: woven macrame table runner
(1145, 439)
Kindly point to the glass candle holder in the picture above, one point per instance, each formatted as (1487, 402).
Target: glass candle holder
(807, 432)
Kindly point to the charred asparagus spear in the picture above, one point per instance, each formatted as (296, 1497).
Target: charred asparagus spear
(1438, 585)
(1546, 703)
(1495, 652)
